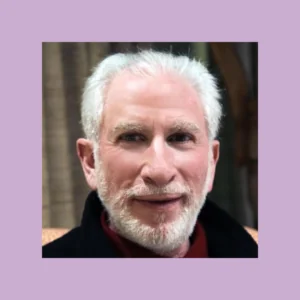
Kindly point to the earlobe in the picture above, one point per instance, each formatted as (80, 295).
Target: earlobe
(216, 151)
(213, 162)
(85, 152)
(86, 156)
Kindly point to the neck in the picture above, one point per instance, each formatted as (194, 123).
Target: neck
(179, 252)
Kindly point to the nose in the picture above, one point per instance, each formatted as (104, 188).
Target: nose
(158, 169)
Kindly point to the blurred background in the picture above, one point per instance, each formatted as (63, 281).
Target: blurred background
(65, 68)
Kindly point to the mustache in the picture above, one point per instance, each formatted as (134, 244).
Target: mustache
(142, 190)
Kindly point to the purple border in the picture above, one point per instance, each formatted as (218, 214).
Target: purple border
(24, 26)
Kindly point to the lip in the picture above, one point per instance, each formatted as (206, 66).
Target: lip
(160, 203)
(157, 198)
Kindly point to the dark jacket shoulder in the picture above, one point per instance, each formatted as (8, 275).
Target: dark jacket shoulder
(62, 247)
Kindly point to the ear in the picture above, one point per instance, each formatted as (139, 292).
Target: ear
(213, 162)
(86, 156)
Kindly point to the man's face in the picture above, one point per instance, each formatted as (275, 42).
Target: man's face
(155, 164)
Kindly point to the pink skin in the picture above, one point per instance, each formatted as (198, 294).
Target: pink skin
(156, 155)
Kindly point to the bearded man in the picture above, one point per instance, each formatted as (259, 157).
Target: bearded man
(149, 156)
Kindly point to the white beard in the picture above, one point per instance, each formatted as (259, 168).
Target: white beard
(165, 236)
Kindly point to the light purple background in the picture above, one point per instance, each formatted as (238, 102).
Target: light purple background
(24, 26)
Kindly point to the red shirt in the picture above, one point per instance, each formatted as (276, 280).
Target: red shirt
(126, 248)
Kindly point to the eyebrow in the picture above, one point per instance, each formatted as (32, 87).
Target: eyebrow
(178, 125)
(128, 126)
(185, 126)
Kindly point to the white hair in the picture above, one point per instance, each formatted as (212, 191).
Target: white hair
(148, 62)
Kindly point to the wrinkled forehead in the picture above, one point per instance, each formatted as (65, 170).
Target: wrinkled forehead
(127, 85)
(129, 95)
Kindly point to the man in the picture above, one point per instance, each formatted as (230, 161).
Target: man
(149, 156)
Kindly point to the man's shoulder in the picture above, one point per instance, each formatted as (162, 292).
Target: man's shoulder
(63, 246)
(226, 237)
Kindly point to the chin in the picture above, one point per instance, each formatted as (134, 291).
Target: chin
(162, 233)
(161, 237)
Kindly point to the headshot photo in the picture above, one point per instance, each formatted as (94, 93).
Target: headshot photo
(150, 150)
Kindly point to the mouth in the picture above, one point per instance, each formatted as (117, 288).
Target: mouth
(159, 201)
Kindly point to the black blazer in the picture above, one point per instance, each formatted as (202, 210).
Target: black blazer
(225, 237)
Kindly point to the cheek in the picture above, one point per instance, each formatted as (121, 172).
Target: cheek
(120, 168)
(193, 168)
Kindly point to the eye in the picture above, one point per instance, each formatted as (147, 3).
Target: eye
(131, 138)
(180, 138)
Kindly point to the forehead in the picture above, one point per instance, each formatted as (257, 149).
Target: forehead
(160, 98)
